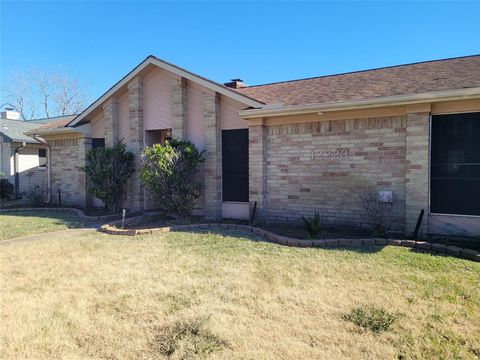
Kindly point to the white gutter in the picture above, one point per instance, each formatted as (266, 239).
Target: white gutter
(279, 110)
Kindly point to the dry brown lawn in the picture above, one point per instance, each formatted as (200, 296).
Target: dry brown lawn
(223, 296)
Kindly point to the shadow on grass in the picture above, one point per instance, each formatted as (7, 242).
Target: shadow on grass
(61, 217)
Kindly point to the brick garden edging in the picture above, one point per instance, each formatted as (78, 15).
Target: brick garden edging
(283, 240)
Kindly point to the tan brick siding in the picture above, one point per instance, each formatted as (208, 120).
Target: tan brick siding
(212, 170)
(110, 116)
(67, 156)
(135, 198)
(257, 141)
(371, 157)
(417, 169)
(178, 103)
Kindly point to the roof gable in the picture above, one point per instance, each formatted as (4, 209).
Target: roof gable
(152, 60)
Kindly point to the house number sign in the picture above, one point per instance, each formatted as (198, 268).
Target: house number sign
(329, 154)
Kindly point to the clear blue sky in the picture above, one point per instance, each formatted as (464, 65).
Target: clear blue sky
(258, 41)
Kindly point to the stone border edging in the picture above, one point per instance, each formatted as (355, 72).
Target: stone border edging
(283, 240)
(79, 212)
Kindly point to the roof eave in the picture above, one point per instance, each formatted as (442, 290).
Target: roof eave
(33, 141)
(446, 95)
(43, 132)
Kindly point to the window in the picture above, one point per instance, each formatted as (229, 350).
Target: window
(235, 165)
(42, 158)
(98, 142)
(455, 164)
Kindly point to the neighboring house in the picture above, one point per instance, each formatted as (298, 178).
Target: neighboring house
(295, 147)
(23, 158)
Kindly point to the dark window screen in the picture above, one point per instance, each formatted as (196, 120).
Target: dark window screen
(455, 164)
(235, 165)
(98, 142)
(42, 157)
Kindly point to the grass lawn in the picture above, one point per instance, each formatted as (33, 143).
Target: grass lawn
(31, 222)
(187, 295)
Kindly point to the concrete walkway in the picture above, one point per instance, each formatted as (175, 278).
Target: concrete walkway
(59, 234)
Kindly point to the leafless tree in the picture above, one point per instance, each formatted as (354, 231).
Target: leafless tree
(378, 215)
(45, 94)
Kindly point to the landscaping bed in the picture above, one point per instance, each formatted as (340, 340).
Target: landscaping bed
(298, 231)
(464, 242)
(142, 226)
(176, 295)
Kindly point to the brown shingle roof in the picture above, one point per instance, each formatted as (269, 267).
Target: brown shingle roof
(60, 123)
(415, 78)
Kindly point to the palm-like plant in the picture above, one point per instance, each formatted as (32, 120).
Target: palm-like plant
(312, 225)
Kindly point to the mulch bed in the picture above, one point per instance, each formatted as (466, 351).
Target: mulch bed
(326, 232)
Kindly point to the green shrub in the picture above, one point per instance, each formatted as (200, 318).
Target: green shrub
(168, 174)
(312, 225)
(371, 318)
(6, 189)
(108, 170)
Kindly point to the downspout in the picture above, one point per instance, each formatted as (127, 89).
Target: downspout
(15, 170)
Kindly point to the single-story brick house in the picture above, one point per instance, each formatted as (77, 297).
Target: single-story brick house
(296, 147)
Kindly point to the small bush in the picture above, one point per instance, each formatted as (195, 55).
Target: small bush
(36, 195)
(187, 339)
(108, 170)
(6, 189)
(371, 318)
(312, 225)
(168, 174)
(378, 215)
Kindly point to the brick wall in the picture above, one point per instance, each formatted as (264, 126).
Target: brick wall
(178, 103)
(417, 170)
(212, 170)
(326, 166)
(110, 118)
(67, 156)
(257, 141)
(135, 198)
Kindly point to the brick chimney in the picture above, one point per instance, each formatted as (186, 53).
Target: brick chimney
(235, 84)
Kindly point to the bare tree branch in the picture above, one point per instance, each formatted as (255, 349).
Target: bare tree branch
(40, 94)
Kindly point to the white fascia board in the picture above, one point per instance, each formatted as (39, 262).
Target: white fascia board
(458, 94)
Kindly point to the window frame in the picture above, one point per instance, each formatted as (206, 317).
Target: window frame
(244, 196)
(45, 165)
(430, 142)
(98, 142)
